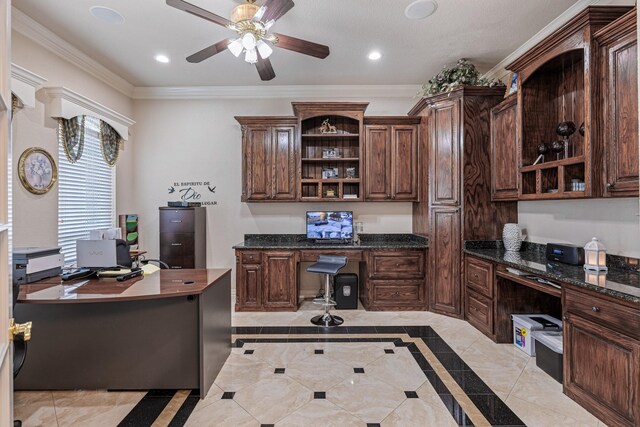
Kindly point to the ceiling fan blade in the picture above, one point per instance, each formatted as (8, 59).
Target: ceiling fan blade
(208, 52)
(197, 11)
(265, 69)
(302, 46)
(273, 10)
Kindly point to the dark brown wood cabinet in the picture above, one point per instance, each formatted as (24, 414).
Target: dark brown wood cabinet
(394, 280)
(618, 44)
(459, 205)
(391, 158)
(602, 356)
(269, 158)
(504, 151)
(183, 237)
(445, 249)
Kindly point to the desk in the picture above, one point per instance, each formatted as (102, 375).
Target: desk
(393, 270)
(168, 330)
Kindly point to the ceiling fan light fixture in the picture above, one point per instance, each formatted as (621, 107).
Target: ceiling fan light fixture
(264, 49)
(249, 41)
(251, 56)
(235, 47)
(244, 12)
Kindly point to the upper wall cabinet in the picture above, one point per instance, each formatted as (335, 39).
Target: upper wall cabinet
(559, 146)
(391, 158)
(618, 47)
(504, 151)
(269, 158)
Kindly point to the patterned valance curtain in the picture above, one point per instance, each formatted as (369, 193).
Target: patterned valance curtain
(71, 136)
(111, 141)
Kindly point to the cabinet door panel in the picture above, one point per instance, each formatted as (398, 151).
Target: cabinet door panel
(250, 289)
(258, 163)
(445, 153)
(602, 371)
(284, 161)
(280, 284)
(377, 163)
(479, 311)
(504, 151)
(405, 163)
(622, 141)
(444, 253)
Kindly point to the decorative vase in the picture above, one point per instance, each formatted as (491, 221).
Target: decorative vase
(512, 237)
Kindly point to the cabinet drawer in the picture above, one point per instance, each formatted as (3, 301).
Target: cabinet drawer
(607, 313)
(177, 220)
(479, 311)
(397, 292)
(251, 257)
(396, 265)
(177, 249)
(479, 276)
(312, 256)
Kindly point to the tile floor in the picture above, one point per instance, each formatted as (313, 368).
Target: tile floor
(320, 385)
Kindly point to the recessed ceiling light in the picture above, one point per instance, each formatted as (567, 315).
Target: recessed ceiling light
(420, 9)
(162, 58)
(375, 55)
(107, 15)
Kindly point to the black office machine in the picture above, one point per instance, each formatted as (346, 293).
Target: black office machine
(32, 264)
(565, 253)
(345, 286)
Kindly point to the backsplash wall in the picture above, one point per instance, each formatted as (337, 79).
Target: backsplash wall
(612, 221)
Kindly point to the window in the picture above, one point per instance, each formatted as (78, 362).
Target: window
(86, 193)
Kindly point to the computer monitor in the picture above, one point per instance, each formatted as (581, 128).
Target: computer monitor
(333, 225)
(96, 254)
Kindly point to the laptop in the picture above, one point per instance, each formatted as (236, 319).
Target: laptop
(96, 254)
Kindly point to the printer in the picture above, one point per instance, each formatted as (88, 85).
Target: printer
(33, 264)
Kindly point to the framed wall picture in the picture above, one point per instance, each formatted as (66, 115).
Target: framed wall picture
(37, 170)
(512, 86)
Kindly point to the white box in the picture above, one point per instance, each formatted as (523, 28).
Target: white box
(524, 324)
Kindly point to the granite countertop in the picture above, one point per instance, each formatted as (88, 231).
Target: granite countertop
(299, 241)
(622, 281)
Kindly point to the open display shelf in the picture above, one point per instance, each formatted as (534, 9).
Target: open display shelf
(554, 93)
(330, 163)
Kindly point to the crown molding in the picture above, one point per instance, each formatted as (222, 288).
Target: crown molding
(35, 31)
(500, 72)
(24, 84)
(62, 102)
(289, 92)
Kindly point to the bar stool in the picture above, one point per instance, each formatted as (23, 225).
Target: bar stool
(329, 266)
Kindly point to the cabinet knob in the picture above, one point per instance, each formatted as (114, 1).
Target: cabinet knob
(475, 275)
(397, 264)
(595, 309)
(250, 256)
(565, 317)
(610, 185)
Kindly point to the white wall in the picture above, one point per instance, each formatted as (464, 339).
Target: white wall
(612, 221)
(35, 218)
(196, 140)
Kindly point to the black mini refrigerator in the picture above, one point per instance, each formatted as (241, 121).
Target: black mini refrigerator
(345, 287)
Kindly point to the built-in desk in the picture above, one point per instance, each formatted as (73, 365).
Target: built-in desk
(393, 270)
(600, 313)
(167, 330)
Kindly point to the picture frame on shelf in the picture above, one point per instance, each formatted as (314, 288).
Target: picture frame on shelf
(350, 173)
(37, 170)
(329, 173)
(330, 153)
(512, 86)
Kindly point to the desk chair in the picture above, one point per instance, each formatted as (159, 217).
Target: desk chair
(163, 265)
(329, 266)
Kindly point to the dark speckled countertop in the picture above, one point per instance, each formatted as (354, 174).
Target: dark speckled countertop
(622, 281)
(299, 241)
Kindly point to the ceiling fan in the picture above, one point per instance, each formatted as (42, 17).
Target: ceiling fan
(252, 23)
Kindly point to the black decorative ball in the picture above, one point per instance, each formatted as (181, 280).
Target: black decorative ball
(581, 129)
(566, 129)
(557, 146)
(543, 148)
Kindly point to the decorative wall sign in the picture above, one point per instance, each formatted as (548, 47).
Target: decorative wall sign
(37, 170)
(194, 191)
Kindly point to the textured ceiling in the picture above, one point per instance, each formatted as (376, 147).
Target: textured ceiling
(484, 31)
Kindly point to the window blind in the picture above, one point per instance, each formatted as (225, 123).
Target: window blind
(86, 195)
